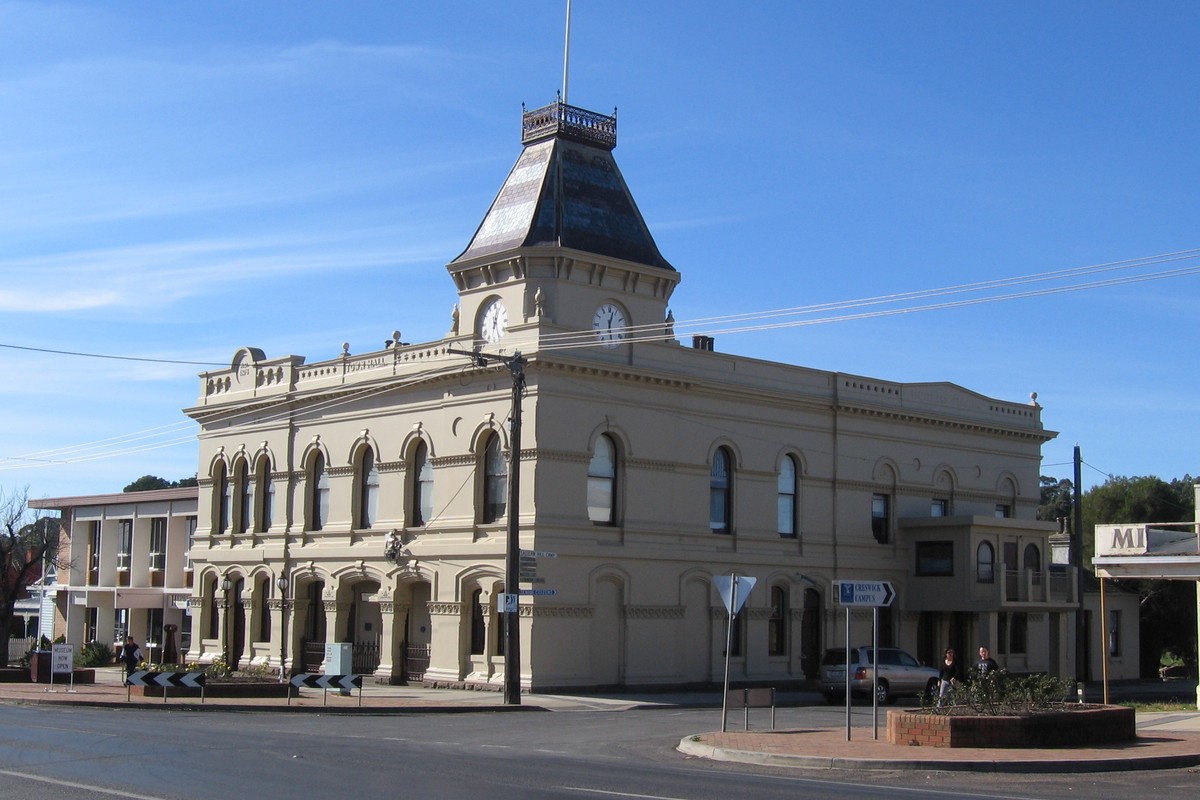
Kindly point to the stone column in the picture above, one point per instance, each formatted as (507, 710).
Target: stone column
(445, 652)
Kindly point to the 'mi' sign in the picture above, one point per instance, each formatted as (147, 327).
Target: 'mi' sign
(1120, 540)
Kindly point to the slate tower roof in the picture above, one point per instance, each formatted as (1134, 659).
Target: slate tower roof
(566, 191)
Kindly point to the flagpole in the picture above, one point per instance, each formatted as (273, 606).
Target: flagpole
(566, 53)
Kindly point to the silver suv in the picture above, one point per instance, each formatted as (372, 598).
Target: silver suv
(899, 674)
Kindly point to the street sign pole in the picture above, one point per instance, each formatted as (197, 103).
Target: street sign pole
(864, 594)
(875, 670)
(728, 642)
(733, 591)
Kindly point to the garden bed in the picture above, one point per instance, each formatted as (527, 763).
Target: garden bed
(1069, 726)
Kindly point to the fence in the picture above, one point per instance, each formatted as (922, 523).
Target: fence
(19, 647)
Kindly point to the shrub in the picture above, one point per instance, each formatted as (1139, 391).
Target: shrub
(996, 694)
(94, 654)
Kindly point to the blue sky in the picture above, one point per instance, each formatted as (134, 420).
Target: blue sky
(178, 180)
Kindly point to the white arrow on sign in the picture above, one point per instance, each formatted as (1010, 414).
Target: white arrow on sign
(864, 593)
(734, 589)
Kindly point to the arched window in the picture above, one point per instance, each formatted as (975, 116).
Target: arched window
(602, 482)
(1033, 558)
(368, 489)
(221, 498)
(264, 613)
(788, 498)
(495, 481)
(242, 501)
(720, 492)
(478, 630)
(318, 493)
(421, 512)
(985, 563)
(777, 626)
(214, 615)
(264, 492)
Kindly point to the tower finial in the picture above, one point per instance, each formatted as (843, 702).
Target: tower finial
(566, 53)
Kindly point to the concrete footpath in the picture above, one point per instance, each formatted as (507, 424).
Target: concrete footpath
(1165, 739)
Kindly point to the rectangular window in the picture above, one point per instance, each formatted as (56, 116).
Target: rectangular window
(154, 628)
(935, 559)
(90, 623)
(124, 543)
(189, 535)
(158, 543)
(94, 548)
(1003, 511)
(1114, 633)
(937, 508)
(880, 513)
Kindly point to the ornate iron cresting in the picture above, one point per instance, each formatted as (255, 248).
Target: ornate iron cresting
(560, 119)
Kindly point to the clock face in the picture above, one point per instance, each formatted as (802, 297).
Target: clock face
(609, 323)
(493, 322)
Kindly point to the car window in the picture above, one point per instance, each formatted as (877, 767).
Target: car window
(889, 657)
(906, 660)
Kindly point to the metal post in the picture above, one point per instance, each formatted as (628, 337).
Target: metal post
(847, 673)
(728, 646)
(1104, 648)
(875, 670)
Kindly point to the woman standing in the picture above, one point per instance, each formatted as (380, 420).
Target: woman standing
(947, 675)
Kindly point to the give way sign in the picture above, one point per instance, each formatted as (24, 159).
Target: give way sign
(734, 589)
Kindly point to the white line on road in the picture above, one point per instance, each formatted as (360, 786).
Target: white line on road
(621, 794)
(72, 784)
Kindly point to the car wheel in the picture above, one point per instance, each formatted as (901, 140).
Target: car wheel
(881, 693)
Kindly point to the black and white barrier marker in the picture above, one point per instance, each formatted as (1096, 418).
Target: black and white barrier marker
(339, 683)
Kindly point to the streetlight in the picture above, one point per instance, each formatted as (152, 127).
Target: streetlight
(226, 585)
(282, 582)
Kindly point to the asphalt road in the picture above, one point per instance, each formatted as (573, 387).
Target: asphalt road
(69, 753)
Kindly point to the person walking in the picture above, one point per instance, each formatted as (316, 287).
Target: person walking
(947, 675)
(131, 655)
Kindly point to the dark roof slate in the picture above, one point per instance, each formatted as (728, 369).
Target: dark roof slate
(568, 194)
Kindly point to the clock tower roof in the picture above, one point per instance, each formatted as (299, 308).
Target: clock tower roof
(566, 191)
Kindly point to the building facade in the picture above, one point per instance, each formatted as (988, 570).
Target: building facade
(364, 498)
(127, 568)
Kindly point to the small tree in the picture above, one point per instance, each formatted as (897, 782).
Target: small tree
(27, 546)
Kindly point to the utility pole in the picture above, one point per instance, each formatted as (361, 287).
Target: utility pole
(512, 555)
(1077, 560)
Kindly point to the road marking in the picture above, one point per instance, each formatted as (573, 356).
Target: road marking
(621, 794)
(85, 786)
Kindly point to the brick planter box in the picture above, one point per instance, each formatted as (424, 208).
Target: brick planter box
(1081, 726)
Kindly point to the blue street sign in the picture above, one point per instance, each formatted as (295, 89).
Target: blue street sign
(871, 594)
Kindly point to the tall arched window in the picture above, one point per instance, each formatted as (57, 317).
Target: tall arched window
(368, 489)
(985, 563)
(264, 492)
(421, 512)
(777, 627)
(720, 492)
(1033, 558)
(264, 613)
(318, 492)
(602, 482)
(478, 629)
(788, 497)
(495, 481)
(242, 501)
(214, 615)
(221, 498)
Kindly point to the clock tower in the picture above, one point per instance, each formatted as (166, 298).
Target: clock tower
(563, 258)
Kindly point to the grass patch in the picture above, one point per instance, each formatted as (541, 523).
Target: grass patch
(1169, 705)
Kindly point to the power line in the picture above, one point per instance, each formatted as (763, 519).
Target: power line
(113, 357)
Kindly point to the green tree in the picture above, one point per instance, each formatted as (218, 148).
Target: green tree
(26, 544)
(1168, 608)
(149, 482)
(1057, 499)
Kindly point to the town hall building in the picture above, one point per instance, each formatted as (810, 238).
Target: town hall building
(364, 499)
